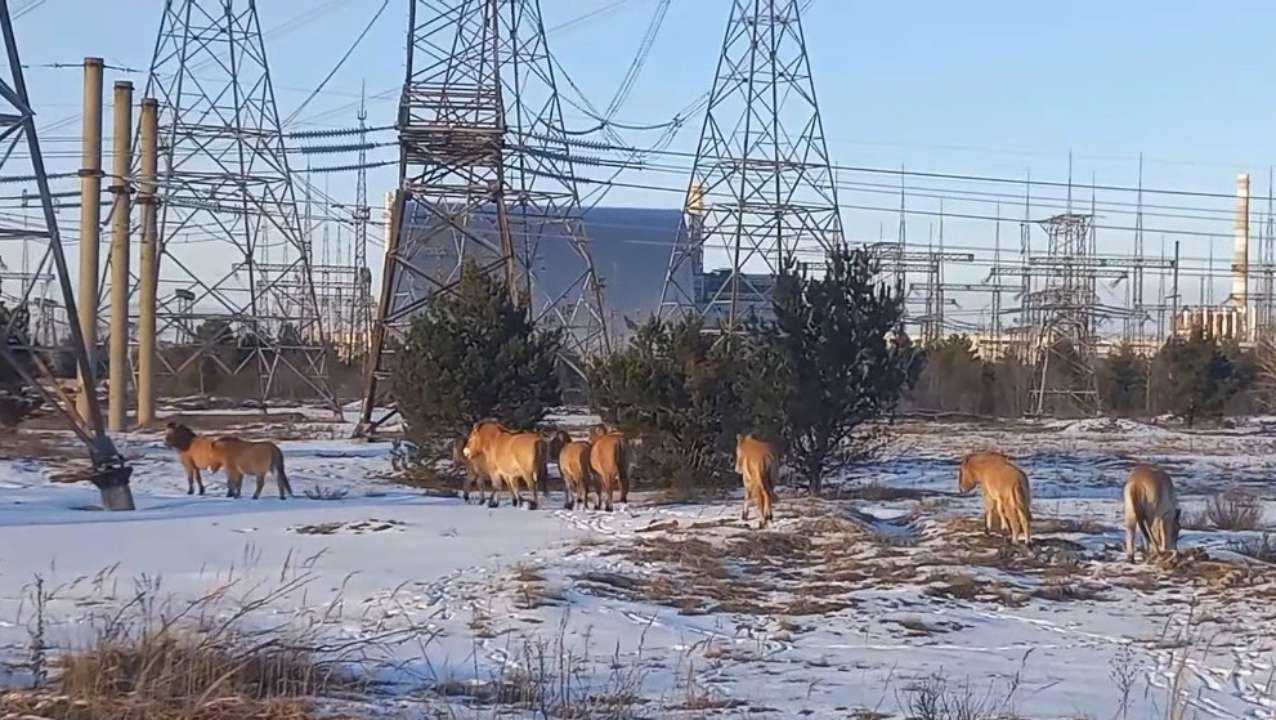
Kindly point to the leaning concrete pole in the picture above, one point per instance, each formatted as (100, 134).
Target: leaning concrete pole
(148, 273)
(122, 132)
(90, 218)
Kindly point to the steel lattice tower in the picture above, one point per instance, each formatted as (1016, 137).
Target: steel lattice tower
(485, 174)
(226, 197)
(1064, 314)
(762, 187)
(361, 318)
(21, 161)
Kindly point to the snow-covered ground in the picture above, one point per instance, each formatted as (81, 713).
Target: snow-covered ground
(880, 600)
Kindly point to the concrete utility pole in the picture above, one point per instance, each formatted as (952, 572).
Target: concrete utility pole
(122, 132)
(90, 218)
(148, 274)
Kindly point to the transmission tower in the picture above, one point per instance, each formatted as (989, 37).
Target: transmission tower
(227, 195)
(761, 187)
(1065, 318)
(20, 353)
(361, 322)
(485, 174)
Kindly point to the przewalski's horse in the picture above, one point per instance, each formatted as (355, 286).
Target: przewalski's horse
(608, 458)
(1152, 508)
(195, 453)
(509, 457)
(243, 457)
(574, 465)
(1007, 496)
(756, 460)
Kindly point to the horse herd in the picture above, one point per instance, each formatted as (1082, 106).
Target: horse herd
(493, 455)
(1151, 506)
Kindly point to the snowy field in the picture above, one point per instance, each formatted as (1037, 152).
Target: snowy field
(881, 601)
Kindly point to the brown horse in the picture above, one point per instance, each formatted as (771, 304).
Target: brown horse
(1007, 496)
(1151, 507)
(755, 460)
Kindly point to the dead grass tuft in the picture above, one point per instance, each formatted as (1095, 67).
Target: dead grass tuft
(1067, 590)
(161, 667)
(1233, 509)
(320, 492)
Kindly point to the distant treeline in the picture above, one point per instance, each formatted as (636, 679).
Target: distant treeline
(1195, 378)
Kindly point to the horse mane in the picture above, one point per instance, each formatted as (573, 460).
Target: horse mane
(180, 437)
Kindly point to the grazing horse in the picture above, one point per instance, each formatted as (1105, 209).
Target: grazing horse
(1151, 507)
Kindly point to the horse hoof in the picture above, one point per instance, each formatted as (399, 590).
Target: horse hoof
(531, 505)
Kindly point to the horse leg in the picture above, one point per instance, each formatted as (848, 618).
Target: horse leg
(490, 485)
(515, 491)
(532, 480)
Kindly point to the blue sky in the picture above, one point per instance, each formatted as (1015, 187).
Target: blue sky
(992, 88)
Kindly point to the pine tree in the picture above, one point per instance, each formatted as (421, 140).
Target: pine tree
(1201, 377)
(843, 362)
(17, 399)
(1123, 379)
(677, 388)
(953, 378)
(475, 354)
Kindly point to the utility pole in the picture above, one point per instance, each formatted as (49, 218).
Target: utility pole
(90, 219)
(148, 274)
(122, 134)
(17, 123)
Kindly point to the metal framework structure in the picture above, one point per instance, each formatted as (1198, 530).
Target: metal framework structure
(21, 159)
(226, 197)
(361, 312)
(1063, 311)
(761, 188)
(485, 175)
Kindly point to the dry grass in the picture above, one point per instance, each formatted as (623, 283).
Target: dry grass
(552, 679)
(1232, 509)
(938, 698)
(319, 492)
(211, 658)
